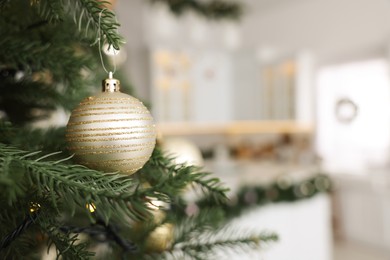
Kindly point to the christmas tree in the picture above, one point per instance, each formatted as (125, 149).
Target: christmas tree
(49, 62)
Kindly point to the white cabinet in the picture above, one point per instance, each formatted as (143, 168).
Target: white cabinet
(212, 85)
(191, 85)
(304, 230)
(304, 227)
(363, 209)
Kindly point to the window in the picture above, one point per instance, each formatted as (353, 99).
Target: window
(360, 92)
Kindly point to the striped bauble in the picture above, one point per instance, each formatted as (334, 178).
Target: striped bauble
(111, 132)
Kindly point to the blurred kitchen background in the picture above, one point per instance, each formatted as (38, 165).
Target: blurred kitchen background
(294, 88)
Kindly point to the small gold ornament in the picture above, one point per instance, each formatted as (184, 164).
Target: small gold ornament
(183, 151)
(160, 239)
(111, 131)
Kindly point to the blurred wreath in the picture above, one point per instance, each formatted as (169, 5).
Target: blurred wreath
(346, 110)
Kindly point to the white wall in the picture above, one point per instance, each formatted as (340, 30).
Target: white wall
(329, 28)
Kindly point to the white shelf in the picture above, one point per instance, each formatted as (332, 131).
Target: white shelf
(233, 128)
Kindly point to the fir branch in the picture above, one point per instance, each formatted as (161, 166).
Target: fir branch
(163, 174)
(200, 238)
(3, 3)
(87, 13)
(46, 140)
(205, 248)
(103, 232)
(190, 227)
(27, 222)
(68, 246)
(66, 83)
(50, 10)
(53, 59)
(204, 243)
(18, 224)
(202, 235)
(34, 101)
(20, 52)
(24, 247)
(78, 185)
(213, 188)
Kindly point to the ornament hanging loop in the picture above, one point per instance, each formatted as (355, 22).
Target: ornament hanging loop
(99, 40)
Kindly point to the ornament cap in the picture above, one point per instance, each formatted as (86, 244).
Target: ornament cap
(110, 84)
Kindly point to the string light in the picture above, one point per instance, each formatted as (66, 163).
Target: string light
(91, 207)
(34, 207)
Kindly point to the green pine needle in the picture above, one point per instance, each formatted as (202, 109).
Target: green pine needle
(87, 13)
(162, 173)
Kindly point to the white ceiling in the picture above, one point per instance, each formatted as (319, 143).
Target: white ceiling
(265, 5)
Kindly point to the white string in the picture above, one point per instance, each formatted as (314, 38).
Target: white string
(100, 47)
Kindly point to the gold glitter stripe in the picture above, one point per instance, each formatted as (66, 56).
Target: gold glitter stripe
(111, 139)
(109, 146)
(109, 120)
(110, 133)
(139, 112)
(88, 103)
(114, 151)
(116, 165)
(117, 161)
(115, 98)
(131, 170)
(109, 128)
(106, 108)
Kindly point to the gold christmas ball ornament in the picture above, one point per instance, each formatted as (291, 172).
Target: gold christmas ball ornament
(112, 131)
(183, 151)
(160, 239)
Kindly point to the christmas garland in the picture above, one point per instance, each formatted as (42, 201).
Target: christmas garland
(284, 189)
(213, 9)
